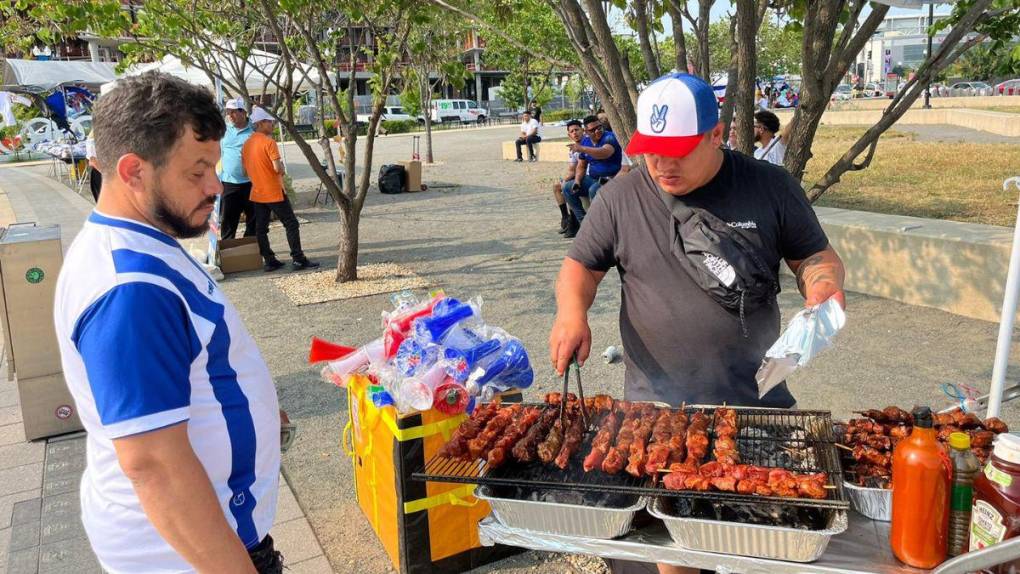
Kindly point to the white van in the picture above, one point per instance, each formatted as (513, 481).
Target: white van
(458, 111)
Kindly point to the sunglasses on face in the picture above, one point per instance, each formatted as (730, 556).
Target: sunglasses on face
(593, 130)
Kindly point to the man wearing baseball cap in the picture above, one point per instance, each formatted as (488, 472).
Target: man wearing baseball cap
(236, 185)
(262, 161)
(681, 343)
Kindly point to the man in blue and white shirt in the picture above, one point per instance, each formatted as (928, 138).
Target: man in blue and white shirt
(182, 416)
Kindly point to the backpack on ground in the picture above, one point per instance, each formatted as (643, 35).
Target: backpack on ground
(392, 179)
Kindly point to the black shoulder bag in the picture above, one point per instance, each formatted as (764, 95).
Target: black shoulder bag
(723, 262)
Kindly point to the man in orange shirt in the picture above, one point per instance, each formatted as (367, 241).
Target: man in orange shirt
(262, 162)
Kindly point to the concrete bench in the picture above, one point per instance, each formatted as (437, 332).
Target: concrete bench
(553, 150)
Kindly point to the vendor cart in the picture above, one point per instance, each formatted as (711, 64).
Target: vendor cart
(846, 542)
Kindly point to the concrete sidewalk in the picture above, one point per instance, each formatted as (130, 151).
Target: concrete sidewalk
(40, 516)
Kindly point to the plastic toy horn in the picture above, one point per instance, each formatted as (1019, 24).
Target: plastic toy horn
(433, 329)
(460, 363)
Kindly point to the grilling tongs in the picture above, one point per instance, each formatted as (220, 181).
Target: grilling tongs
(566, 390)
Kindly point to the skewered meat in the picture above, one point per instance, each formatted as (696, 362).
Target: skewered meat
(603, 403)
(636, 462)
(981, 439)
(865, 426)
(889, 415)
(697, 437)
(572, 441)
(550, 447)
(725, 448)
(555, 399)
(945, 431)
(971, 421)
(457, 445)
(478, 447)
(869, 455)
(899, 432)
(875, 441)
(602, 442)
(616, 458)
(657, 455)
(526, 449)
(678, 438)
(812, 485)
(501, 450)
(996, 425)
(747, 479)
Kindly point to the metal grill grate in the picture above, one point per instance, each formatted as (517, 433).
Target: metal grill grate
(799, 441)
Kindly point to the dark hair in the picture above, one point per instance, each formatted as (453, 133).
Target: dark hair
(769, 120)
(591, 119)
(574, 123)
(147, 114)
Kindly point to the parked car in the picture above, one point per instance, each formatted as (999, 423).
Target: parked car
(465, 111)
(971, 88)
(390, 113)
(1008, 88)
(843, 92)
(872, 90)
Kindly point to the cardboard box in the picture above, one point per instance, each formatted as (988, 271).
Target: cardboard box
(47, 408)
(239, 255)
(412, 169)
(30, 260)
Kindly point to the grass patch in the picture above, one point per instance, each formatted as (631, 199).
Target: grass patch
(955, 181)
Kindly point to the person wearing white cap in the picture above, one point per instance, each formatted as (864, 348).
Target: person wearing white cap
(697, 235)
(236, 185)
(262, 161)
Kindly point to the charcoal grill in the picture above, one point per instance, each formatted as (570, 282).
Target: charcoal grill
(799, 441)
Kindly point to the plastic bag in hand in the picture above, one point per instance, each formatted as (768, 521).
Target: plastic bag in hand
(808, 333)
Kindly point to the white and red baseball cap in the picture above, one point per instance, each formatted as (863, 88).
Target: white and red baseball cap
(673, 115)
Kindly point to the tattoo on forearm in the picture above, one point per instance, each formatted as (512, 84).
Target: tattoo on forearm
(805, 269)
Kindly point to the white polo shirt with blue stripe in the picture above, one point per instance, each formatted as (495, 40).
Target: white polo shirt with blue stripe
(148, 340)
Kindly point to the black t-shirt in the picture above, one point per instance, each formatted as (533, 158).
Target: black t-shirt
(680, 344)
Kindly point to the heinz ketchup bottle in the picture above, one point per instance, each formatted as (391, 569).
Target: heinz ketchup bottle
(921, 477)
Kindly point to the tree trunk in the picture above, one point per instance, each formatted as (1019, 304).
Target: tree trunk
(747, 65)
(347, 246)
(679, 41)
(827, 57)
(704, 17)
(426, 91)
(644, 38)
(726, 114)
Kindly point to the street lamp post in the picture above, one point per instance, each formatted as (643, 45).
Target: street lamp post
(927, 87)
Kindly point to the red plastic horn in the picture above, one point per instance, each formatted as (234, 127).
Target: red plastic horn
(323, 350)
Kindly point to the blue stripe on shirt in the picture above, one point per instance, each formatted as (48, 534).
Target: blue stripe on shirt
(222, 377)
(137, 344)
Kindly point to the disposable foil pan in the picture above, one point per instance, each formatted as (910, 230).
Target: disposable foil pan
(556, 518)
(875, 503)
(772, 542)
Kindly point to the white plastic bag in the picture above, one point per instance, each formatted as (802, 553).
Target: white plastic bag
(808, 333)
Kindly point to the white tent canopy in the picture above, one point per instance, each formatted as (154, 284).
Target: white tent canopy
(44, 75)
(256, 67)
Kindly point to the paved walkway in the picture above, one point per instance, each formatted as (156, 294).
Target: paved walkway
(40, 523)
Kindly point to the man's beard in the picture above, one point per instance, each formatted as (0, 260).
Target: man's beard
(179, 225)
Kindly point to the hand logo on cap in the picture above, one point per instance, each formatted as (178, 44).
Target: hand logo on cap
(658, 119)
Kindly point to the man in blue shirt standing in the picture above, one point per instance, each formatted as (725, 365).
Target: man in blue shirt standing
(599, 159)
(236, 185)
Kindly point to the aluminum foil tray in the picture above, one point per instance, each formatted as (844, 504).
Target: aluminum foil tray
(598, 522)
(875, 503)
(772, 542)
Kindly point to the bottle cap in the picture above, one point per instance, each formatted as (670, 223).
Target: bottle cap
(959, 440)
(922, 417)
(1007, 448)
